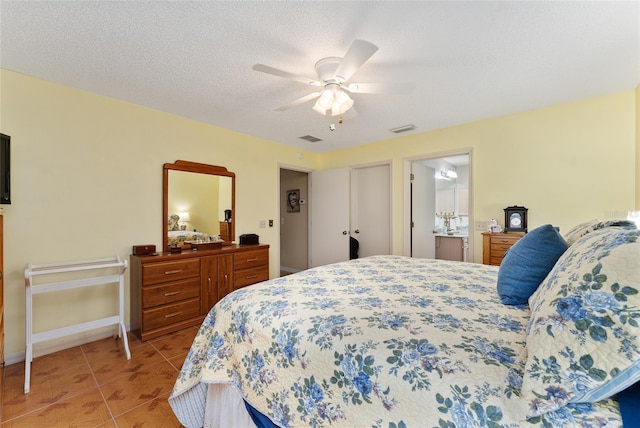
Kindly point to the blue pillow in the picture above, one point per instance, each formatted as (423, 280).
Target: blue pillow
(527, 263)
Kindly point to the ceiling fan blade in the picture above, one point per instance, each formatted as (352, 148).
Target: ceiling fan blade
(281, 73)
(359, 52)
(299, 101)
(400, 88)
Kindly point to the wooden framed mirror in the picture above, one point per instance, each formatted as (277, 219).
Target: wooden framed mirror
(204, 195)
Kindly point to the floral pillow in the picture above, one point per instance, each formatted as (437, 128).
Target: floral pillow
(582, 229)
(583, 340)
(172, 223)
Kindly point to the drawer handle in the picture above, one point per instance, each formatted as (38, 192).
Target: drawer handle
(175, 314)
(251, 276)
(252, 260)
(171, 272)
(172, 293)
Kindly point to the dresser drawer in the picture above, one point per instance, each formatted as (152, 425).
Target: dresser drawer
(500, 248)
(499, 254)
(170, 292)
(496, 261)
(250, 259)
(156, 273)
(170, 314)
(508, 241)
(245, 277)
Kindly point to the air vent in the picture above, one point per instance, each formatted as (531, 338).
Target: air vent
(404, 128)
(311, 138)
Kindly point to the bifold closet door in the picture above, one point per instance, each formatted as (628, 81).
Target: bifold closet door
(370, 216)
(329, 206)
(349, 202)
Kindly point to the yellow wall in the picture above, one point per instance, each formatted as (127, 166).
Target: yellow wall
(87, 175)
(87, 183)
(566, 164)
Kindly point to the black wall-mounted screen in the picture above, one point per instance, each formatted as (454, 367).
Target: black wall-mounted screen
(5, 169)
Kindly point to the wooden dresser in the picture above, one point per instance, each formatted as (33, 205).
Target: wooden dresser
(494, 245)
(171, 291)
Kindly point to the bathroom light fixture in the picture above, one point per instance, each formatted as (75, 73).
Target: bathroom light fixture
(333, 100)
(447, 174)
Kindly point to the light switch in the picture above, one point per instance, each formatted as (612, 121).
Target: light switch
(270, 223)
(263, 224)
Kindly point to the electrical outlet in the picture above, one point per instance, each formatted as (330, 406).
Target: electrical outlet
(482, 226)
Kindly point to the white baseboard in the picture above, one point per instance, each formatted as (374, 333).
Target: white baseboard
(45, 348)
(289, 269)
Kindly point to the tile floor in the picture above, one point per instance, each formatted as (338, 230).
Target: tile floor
(94, 385)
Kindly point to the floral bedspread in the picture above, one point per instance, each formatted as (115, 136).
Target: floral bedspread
(383, 341)
(179, 237)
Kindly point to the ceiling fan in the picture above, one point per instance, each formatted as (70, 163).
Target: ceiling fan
(333, 75)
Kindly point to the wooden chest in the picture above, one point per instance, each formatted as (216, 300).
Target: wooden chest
(495, 245)
(171, 291)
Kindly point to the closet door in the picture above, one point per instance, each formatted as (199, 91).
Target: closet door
(329, 210)
(349, 202)
(371, 209)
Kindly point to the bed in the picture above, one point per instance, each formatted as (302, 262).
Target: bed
(178, 236)
(392, 341)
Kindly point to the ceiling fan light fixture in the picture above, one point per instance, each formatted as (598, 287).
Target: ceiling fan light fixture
(333, 98)
(325, 100)
(319, 108)
(333, 74)
(342, 102)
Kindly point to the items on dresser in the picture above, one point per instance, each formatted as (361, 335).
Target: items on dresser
(141, 250)
(494, 245)
(249, 239)
(171, 291)
(225, 230)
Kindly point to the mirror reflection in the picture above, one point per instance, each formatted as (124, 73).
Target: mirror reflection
(198, 204)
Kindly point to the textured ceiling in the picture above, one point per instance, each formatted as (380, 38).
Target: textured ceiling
(468, 60)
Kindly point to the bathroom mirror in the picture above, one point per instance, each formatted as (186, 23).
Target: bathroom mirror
(198, 203)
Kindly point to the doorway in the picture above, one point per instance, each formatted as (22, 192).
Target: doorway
(438, 199)
(294, 221)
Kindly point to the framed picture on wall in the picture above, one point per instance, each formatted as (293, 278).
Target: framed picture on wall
(293, 201)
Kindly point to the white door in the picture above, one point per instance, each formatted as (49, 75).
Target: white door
(371, 209)
(423, 208)
(329, 208)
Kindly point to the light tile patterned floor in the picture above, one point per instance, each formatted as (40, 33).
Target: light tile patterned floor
(94, 385)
